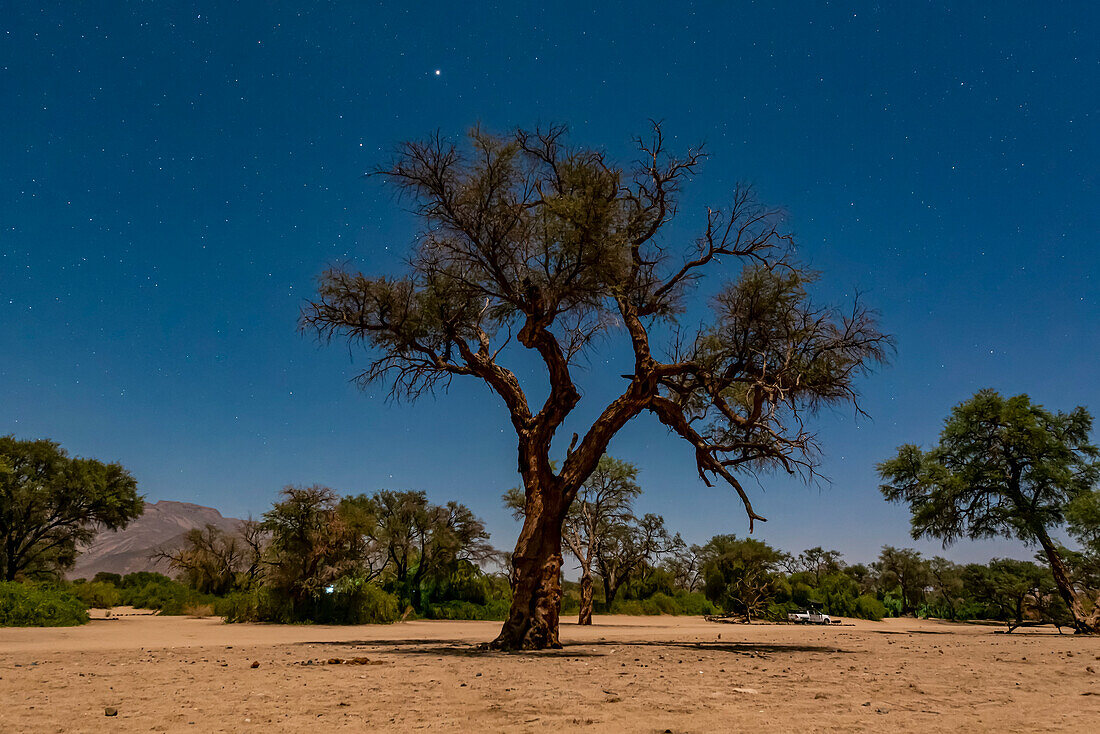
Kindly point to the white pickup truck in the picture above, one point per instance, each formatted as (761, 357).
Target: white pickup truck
(809, 617)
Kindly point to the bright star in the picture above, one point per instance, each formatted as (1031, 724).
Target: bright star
(438, 72)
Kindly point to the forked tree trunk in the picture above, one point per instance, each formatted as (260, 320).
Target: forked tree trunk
(585, 616)
(532, 622)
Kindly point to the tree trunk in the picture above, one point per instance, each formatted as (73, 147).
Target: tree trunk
(1088, 623)
(585, 616)
(532, 622)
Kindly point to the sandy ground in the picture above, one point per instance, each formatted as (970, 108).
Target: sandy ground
(622, 674)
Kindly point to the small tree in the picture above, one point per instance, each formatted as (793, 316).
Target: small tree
(685, 566)
(528, 238)
(1013, 589)
(947, 586)
(602, 508)
(740, 574)
(816, 560)
(310, 546)
(906, 570)
(411, 540)
(214, 561)
(50, 504)
(626, 548)
(1003, 466)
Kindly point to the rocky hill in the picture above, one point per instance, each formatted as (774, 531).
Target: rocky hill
(162, 525)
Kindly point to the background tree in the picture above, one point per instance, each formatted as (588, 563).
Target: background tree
(863, 576)
(906, 570)
(526, 236)
(1012, 588)
(627, 548)
(1003, 466)
(948, 590)
(415, 540)
(684, 565)
(310, 546)
(816, 560)
(51, 503)
(214, 561)
(603, 507)
(1083, 523)
(740, 574)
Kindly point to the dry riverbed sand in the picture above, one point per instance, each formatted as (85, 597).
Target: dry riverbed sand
(623, 674)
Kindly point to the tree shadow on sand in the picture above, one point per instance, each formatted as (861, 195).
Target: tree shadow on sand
(462, 648)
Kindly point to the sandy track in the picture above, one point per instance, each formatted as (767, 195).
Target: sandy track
(622, 674)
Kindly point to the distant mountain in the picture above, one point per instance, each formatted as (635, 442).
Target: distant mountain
(162, 525)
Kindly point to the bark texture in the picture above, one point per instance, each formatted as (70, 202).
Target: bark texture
(585, 616)
(532, 622)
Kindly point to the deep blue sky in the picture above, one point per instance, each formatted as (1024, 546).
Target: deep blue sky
(172, 179)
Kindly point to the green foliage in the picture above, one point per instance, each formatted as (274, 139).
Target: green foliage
(255, 605)
(50, 503)
(906, 572)
(868, 607)
(138, 579)
(354, 601)
(148, 590)
(351, 601)
(97, 594)
(1083, 521)
(496, 609)
(30, 605)
(740, 575)
(679, 603)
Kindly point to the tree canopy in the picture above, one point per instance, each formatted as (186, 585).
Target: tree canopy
(50, 503)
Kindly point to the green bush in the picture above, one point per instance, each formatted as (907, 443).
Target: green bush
(694, 603)
(351, 601)
(141, 578)
(257, 605)
(891, 603)
(633, 607)
(868, 607)
(355, 601)
(680, 603)
(493, 610)
(161, 593)
(26, 605)
(97, 594)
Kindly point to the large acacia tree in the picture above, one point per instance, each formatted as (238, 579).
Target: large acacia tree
(527, 237)
(1003, 467)
(51, 504)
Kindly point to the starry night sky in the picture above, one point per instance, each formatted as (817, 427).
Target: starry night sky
(172, 179)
